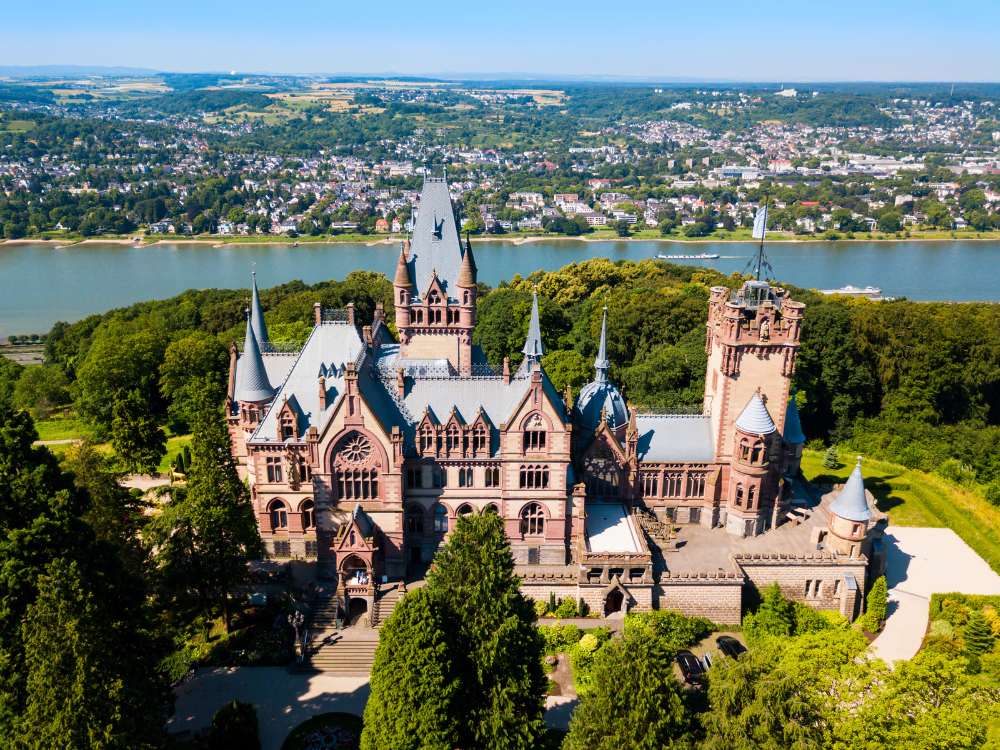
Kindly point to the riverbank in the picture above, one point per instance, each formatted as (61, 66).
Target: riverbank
(740, 236)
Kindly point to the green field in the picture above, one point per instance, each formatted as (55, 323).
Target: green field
(61, 428)
(914, 498)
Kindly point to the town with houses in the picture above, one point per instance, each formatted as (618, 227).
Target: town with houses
(686, 169)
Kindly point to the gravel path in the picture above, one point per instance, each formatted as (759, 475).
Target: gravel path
(922, 562)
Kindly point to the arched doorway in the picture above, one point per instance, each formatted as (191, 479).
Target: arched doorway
(357, 608)
(613, 602)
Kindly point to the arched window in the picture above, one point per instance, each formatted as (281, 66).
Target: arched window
(356, 470)
(602, 475)
(492, 509)
(534, 434)
(750, 496)
(453, 438)
(465, 477)
(745, 450)
(465, 298)
(434, 298)
(739, 494)
(532, 520)
(492, 476)
(279, 515)
(415, 519)
(757, 454)
(308, 515)
(440, 519)
(465, 510)
(479, 439)
(427, 439)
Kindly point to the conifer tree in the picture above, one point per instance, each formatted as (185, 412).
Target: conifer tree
(978, 635)
(830, 459)
(635, 700)
(414, 686)
(492, 629)
(90, 678)
(877, 604)
(774, 617)
(206, 536)
(138, 441)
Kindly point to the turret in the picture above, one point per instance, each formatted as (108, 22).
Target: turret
(257, 315)
(751, 486)
(403, 287)
(850, 516)
(533, 348)
(253, 389)
(467, 288)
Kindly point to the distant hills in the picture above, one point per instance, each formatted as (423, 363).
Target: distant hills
(70, 71)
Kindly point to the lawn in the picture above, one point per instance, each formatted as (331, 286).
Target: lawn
(60, 428)
(175, 444)
(915, 498)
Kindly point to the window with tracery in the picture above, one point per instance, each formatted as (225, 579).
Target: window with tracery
(480, 436)
(356, 469)
(603, 476)
(534, 434)
(695, 484)
(532, 520)
(492, 476)
(673, 484)
(650, 484)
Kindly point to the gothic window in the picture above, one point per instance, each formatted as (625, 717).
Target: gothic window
(356, 471)
(695, 485)
(650, 484)
(453, 438)
(492, 476)
(279, 515)
(434, 298)
(757, 453)
(532, 520)
(745, 450)
(440, 519)
(673, 483)
(479, 439)
(491, 508)
(751, 491)
(287, 426)
(308, 515)
(602, 476)
(426, 439)
(534, 477)
(275, 472)
(534, 434)
(415, 519)
(465, 478)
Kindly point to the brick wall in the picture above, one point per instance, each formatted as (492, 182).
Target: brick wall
(718, 599)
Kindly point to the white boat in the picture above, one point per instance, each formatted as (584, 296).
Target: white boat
(871, 292)
(699, 256)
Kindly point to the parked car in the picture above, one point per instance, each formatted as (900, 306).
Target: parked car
(691, 667)
(729, 646)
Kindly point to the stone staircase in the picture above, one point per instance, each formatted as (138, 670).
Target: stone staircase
(343, 656)
(388, 596)
(324, 613)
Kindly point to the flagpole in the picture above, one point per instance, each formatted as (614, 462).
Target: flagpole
(763, 232)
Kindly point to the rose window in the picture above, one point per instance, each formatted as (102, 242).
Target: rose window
(356, 450)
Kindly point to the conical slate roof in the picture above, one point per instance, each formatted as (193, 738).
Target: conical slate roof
(793, 425)
(533, 348)
(851, 502)
(467, 273)
(257, 315)
(251, 377)
(754, 419)
(402, 277)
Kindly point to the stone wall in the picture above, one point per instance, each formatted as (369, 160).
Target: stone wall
(719, 598)
(822, 581)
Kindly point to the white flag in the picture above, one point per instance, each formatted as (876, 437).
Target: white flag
(760, 223)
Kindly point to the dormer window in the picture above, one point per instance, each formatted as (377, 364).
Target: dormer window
(434, 298)
(534, 435)
(287, 427)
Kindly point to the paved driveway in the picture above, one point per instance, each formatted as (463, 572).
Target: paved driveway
(922, 562)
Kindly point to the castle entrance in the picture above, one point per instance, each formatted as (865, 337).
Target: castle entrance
(613, 602)
(357, 608)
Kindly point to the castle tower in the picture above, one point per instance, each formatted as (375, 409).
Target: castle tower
(793, 438)
(751, 475)
(752, 341)
(252, 389)
(850, 516)
(435, 285)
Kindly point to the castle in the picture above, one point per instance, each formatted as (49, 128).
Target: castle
(361, 452)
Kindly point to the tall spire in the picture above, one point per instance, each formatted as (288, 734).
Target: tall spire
(601, 363)
(257, 315)
(251, 377)
(467, 273)
(533, 349)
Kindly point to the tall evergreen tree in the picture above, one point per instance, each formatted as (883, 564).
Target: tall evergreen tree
(138, 441)
(206, 536)
(635, 701)
(977, 634)
(414, 686)
(493, 634)
(91, 680)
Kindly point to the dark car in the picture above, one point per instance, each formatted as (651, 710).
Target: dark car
(691, 667)
(729, 646)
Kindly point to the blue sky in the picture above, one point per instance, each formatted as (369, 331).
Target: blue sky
(769, 40)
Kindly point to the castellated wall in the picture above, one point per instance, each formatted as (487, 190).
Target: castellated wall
(826, 575)
(718, 597)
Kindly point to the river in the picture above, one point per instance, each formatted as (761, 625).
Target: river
(40, 283)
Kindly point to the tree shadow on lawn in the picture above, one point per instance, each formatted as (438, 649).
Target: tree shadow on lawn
(879, 486)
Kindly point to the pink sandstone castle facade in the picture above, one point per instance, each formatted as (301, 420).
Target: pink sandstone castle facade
(361, 451)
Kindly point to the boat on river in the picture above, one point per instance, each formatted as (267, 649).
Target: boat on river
(699, 256)
(871, 292)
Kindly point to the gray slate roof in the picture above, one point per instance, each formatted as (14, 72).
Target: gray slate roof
(793, 425)
(533, 343)
(257, 315)
(675, 437)
(435, 245)
(326, 352)
(252, 382)
(851, 502)
(755, 418)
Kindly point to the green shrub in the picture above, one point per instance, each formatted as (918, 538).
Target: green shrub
(560, 638)
(673, 629)
(977, 634)
(234, 725)
(877, 603)
(582, 656)
(541, 608)
(830, 459)
(941, 629)
(992, 492)
(955, 471)
(566, 608)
